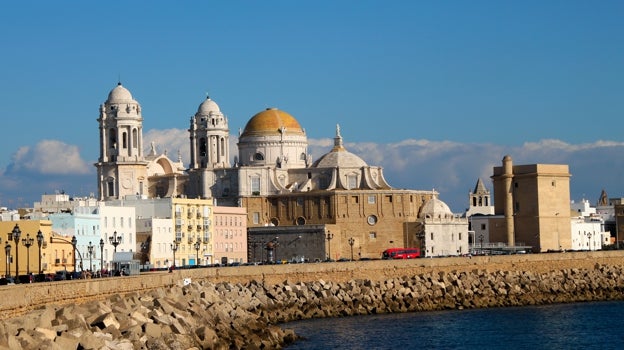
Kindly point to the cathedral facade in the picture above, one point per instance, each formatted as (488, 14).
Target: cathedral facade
(338, 203)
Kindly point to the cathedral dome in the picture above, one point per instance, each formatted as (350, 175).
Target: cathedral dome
(207, 107)
(120, 95)
(270, 122)
(339, 157)
(435, 208)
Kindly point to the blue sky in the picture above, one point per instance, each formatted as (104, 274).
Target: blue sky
(435, 92)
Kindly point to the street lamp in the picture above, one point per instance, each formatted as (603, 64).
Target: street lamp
(197, 246)
(174, 247)
(329, 238)
(39, 244)
(115, 240)
(73, 243)
(351, 242)
(28, 242)
(90, 250)
(7, 250)
(101, 256)
(16, 233)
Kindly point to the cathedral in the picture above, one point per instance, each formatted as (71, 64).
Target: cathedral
(298, 208)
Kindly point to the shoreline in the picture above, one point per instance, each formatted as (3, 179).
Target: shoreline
(230, 310)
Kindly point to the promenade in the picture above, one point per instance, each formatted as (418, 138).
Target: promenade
(241, 307)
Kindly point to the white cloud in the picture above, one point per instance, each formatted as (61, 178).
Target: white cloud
(49, 157)
(452, 168)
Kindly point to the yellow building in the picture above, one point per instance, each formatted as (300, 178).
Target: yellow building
(26, 258)
(193, 220)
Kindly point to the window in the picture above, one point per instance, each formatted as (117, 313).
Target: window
(111, 188)
(372, 235)
(258, 156)
(255, 185)
(372, 220)
(256, 218)
(483, 226)
(351, 181)
(431, 235)
(371, 199)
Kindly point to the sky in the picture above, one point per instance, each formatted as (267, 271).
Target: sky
(435, 92)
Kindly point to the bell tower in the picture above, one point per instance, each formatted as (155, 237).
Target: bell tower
(210, 137)
(121, 166)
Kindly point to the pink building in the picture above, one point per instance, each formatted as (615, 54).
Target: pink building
(230, 235)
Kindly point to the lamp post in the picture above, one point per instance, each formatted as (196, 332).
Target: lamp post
(28, 242)
(90, 250)
(329, 237)
(351, 242)
(73, 243)
(115, 240)
(16, 233)
(275, 244)
(481, 243)
(197, 246)
(174, 247)
(101, 256)
(7, 250)
(39, 244)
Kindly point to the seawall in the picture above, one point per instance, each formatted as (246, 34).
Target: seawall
(251, 299)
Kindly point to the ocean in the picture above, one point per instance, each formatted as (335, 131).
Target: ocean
(592, 325)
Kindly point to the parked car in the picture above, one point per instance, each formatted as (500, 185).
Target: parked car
(26, 278)
(61, 275)
(7, 281)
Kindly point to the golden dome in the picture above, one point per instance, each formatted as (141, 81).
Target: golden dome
(270, 122)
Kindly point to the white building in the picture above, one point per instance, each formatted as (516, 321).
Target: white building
(587, 233)
(582, 208)
(154, 237)
(9, 215)
(442, 234)
(118, 230)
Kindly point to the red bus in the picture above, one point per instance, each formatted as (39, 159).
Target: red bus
(401, 253)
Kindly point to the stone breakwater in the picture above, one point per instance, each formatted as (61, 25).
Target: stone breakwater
(226, 315)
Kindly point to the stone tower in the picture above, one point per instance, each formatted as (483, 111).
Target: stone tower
(210, 137)
(121, 166)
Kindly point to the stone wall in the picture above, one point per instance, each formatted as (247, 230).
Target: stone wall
(225, 306)
(20, 298)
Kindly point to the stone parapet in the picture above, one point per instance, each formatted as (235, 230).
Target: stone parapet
(238, 307)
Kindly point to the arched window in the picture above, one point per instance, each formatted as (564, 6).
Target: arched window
(112, 138)
(202, 147)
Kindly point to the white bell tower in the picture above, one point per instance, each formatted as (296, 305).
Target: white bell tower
(122, 168)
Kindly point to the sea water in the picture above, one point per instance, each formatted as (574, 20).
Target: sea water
(592, 325)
